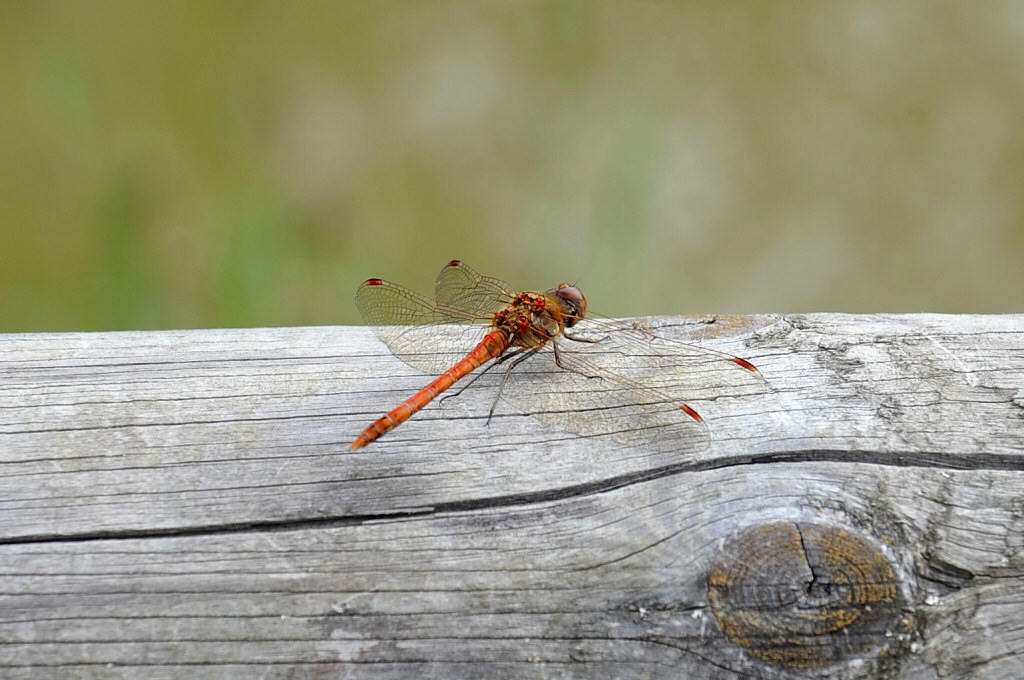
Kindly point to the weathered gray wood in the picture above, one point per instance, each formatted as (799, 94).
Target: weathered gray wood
(185, 503)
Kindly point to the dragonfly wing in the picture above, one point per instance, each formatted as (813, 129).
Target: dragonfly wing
(585, 402)
(683, 371)
(422, 332)
(460, 286)
(630, 386)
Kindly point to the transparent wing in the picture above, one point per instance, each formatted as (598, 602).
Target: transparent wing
(460, 286)
(424, 333)
(601, 405)
(636, 353)
(630, 386)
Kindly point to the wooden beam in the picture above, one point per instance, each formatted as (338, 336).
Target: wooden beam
(186, 504)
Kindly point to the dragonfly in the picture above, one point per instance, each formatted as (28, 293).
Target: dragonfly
(615, 379)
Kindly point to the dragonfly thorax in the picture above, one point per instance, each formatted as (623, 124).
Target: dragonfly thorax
(534, 319)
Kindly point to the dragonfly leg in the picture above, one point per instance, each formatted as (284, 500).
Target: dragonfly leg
(517, 358)
(462, 385)
(571, 369)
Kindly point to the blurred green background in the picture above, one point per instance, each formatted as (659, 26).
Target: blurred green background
(191, 164)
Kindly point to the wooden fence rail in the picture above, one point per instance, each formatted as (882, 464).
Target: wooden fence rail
(185, 505)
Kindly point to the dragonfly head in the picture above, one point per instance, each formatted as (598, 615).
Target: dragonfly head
(574, 305)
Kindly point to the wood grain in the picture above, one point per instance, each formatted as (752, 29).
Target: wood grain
(185, 504)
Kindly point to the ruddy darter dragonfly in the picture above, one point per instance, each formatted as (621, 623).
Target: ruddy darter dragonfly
(619, 380)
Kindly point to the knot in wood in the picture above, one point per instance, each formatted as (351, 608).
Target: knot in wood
(804, 595)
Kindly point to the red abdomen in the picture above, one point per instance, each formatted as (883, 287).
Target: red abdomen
(493, 344)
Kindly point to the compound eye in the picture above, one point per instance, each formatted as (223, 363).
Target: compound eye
(570, 293)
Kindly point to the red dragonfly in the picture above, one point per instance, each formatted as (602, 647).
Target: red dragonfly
(619, 379)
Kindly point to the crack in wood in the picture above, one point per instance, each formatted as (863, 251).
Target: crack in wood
(932, 460)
